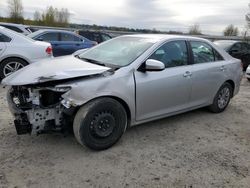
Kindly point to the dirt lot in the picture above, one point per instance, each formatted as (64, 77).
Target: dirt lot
(195, 149)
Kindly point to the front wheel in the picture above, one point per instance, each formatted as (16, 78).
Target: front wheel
(100, 123)
(222, 98)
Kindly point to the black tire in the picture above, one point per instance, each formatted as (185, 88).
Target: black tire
(10, 61)
(248, 79)
(100, 123)
(217, 105)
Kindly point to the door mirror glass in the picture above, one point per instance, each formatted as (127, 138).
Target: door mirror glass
(154, 65)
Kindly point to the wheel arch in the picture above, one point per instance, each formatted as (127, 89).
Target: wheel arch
(17, 57)
(231, 82)
(118, 99)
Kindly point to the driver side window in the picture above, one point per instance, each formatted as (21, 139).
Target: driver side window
(172, 54)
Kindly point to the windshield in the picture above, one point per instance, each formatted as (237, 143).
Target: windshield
(118, 52)
(32, 35)
(224, 44)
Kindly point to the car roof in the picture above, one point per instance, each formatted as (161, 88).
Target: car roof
(12, 24)
(160, 37)
(227, 41)
(55, 30)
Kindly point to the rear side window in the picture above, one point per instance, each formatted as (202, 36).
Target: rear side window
(77, 39)
(4, 38)
(67, 37)
(236, 47)
(204, 53)
(245, 46)
(13, 28)
(50, 37)
(172, 54)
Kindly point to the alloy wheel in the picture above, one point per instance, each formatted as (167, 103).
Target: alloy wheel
(12, 67)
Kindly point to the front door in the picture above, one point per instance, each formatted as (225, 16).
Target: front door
(163, 92)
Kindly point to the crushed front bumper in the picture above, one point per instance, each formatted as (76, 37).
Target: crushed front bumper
(21, 122)
(33, 118)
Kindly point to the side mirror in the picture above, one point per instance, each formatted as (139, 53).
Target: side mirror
(154, 65)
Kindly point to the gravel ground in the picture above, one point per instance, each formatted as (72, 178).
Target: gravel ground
(195, 149)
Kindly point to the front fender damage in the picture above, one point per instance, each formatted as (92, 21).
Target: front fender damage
(46, 107)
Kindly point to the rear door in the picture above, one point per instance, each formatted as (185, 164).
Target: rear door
(207, 73)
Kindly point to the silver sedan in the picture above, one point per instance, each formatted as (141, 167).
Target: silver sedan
(120, 83)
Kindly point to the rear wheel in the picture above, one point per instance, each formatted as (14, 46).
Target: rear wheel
(11, 65)
(248, 79)
(222, 98)
(100, 123)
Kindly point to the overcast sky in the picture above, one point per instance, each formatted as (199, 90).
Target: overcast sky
(212, 15)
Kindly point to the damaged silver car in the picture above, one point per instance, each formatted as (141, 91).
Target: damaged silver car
(123, 82)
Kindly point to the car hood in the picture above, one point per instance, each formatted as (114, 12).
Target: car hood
(52, 70)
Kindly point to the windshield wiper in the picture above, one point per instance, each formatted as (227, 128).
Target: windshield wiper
(93, 61)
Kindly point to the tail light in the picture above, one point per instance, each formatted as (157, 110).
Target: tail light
(49, 50)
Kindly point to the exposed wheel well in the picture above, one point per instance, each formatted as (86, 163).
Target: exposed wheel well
(231, 82)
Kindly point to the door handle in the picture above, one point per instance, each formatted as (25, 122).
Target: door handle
(222, 68)
(187, 74)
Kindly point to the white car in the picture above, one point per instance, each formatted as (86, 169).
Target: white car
(17, 51)
(248, 73)
(20, 28)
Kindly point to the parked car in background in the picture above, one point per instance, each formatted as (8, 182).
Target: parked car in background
(63, 42)
(17, 51)
(97, 36)
(248, 73)
(78, 52)
(23, 29)
(239, 50)
(123, 82)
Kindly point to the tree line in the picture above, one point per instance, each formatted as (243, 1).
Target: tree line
(60, 18)
(49, 17)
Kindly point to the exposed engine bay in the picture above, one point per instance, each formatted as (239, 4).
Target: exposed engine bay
(38, 109)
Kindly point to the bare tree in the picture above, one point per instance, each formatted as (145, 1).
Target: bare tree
(230, 30)
(195, 30)
(15, 11)
(37, 16)
(54, 17)
(247, 17)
